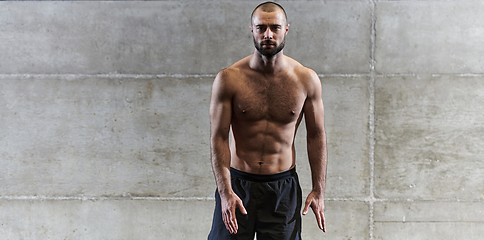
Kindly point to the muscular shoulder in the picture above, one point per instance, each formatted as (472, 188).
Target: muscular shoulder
(223, 85)
(236, 69)
(228, 79)
(306, 76)
(227, 75)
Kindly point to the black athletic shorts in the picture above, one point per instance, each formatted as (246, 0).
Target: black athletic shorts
(273, 204)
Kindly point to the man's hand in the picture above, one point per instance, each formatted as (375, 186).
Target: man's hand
(316, 202)
(229, 203)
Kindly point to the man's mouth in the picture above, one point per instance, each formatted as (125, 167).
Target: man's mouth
(268, 44)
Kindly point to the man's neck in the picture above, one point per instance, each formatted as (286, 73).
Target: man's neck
(267, 65)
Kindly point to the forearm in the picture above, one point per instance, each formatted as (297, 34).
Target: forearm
(221, 165)
(317, 155)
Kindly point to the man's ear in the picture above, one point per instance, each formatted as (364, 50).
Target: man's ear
(287, 28)
(251, 30)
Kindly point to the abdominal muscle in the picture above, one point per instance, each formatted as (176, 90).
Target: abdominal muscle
(263, 148)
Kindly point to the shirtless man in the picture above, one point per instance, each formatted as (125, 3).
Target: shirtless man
(263, 98)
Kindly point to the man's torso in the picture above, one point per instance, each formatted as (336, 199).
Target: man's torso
(266, 111)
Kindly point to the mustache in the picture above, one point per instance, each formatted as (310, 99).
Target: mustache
(267, 43)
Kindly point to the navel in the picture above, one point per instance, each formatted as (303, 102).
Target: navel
(260, 167)
(243, 110)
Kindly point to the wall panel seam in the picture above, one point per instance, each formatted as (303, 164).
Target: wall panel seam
(371, 121)
(145, 76)
(110, 76)
(337, 199)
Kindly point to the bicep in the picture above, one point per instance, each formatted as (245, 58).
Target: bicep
(220, 107)
(314, 109)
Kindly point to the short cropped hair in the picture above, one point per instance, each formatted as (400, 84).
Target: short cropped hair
(268, 7)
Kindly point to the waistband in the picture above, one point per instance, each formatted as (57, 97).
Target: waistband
(263, 178)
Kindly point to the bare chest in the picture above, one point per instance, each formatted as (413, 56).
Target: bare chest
(279, 100)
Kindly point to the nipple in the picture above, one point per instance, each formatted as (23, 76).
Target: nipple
(243, 110)
(293, 112)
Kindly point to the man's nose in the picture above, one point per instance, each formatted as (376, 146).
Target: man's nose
(268, 34)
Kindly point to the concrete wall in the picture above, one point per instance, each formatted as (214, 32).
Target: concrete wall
(105, 128)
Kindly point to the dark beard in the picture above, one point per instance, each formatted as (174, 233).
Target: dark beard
(271, 53)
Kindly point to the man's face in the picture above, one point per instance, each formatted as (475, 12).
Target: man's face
(269, 31)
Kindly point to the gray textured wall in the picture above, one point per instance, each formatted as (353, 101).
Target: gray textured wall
(105, 127)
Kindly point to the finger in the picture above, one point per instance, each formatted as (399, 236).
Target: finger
(241, 207)
(319, 219)
(233, 221)
(324, 223)
(306, 208)
(230, 222)
(227, 222)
